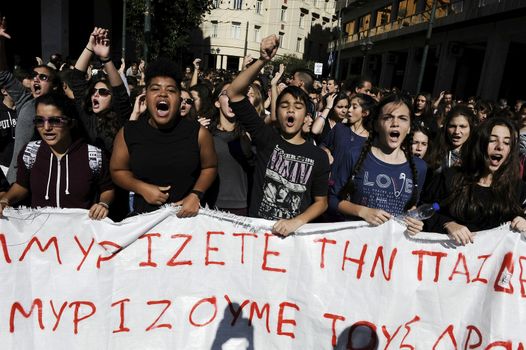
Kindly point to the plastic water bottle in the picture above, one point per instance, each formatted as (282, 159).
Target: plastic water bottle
(423, 212)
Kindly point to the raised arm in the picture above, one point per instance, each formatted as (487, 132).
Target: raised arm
(102, 49)
(3, 36)
(274, 92)
(195, 75)
(268, 48)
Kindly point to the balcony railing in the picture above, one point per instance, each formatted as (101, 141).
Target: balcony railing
(455, 7)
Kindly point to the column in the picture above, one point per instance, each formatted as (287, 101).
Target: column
(218, 62)
(447, 65)
(224, 61)
(412, 67)
(394, 10)
(54, 28)
(493, 67)
(388, 66)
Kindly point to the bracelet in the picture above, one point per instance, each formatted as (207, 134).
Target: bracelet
(104, 204)
(104, 60)
(90, 50)
(322, 117)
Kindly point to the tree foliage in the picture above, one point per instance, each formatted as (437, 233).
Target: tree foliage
(291, 63)
(171, 24)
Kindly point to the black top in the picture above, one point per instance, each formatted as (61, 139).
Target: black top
(287, 176)
(7, 134)
(163, 157)
(441, 187)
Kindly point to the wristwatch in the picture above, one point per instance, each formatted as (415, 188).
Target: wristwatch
(198, 193)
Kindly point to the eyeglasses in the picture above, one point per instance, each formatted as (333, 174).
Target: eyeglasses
(41, 76)
(58, 121)
(101, 91)
(188, 101)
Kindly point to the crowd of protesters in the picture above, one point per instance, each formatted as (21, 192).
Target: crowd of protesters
(287, 148)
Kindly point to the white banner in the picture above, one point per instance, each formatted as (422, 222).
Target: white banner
(211, 282)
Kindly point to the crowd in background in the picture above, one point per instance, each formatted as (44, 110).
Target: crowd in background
(287, 147)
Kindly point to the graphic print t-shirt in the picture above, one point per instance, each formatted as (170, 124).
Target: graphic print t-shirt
(287, 176)
(378, 184)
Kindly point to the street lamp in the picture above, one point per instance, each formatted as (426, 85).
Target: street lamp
(365, 46)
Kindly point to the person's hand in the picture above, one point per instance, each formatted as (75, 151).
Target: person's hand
(285, 227)
(413, 225)
(375, 217)
(247, 60)
(155, 195)
(93, 37)
(101, 47)
(204, 121)
(189, 206)
(141, 66)
(461, 234)
(330, 101)
(3, 204)
(197, 63)
(98, 211)
(3, 29)
(518, 224)
(139, 106)
(278, 75)
(268, 47)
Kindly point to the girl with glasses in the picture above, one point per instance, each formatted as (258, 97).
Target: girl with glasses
(61, 170)
(105, 103)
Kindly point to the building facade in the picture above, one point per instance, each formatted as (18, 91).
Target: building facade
(476, 47)
(234, 28)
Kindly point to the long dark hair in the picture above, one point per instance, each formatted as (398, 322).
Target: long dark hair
(332, 113)
(443, 144)
(506, 180)
(349, 187)
(205, 95)
(368, 104)
(107, 121)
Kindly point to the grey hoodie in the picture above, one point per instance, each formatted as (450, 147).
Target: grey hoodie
(25, 106)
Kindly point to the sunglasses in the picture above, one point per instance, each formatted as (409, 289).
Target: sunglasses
(188, 101)
(101, 91)
(41, 76)
(39, 121)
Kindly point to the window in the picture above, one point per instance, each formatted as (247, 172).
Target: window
(215, 4)
(257, 34)
(281, 39)
(302, 20)
(383, 16)
(214, 29)
(235, 30)
(238, 4)
(298, 45)
(350, 28)
(259, 6)
(283, 14)
(364, 22)
(407, 8)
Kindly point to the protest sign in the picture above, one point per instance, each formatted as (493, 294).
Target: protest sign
(217, 281)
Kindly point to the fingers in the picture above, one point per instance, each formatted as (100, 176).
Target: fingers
(518, 224)
(462, 236)
(98, 212)
(414, 226)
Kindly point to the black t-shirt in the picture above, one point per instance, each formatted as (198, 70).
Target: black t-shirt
(287, 176)
(7, 134)
(163, 157)
(440, 189)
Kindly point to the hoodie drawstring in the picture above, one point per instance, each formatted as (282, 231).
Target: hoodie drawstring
(67, 173)
(49, 175)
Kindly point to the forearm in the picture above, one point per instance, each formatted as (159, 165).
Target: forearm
(84, 58)
(319, 122)
(237, 90)
(349, 208)
(107, 196)
(3, 57)
(273, 100)
(126, 180)
(205, 179)
(313, 211)
(15, 194)
(113, 74)
(195, 77)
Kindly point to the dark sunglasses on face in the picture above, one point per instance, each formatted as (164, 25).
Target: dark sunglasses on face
(39, 121)
(188, 101)
(101, 91)
(41, 76)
